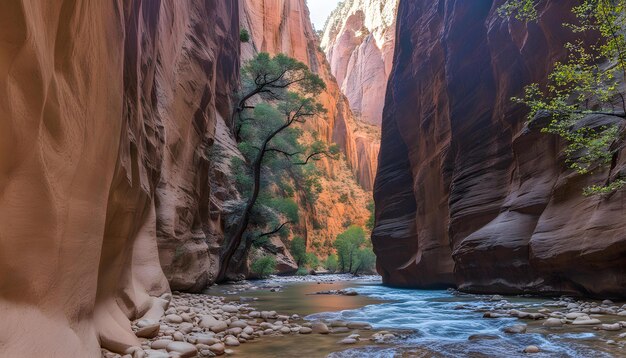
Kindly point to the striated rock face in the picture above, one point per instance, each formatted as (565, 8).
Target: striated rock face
(359, 41)
(283, 26)
(108, 112)
(466, 193)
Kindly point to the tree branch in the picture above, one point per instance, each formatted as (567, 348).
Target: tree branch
(277, 229)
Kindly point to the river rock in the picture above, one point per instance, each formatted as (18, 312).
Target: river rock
(611, 327)
(207, 339)
(574, 315)
(230, 309)
(586, 320)
(238, 324)
(482, 337)
(516, 329)
(213, 324)
(320, 327)
(184, 349)
(160, 343)
(532, 349)
(268, 314)
(348, 341)
(150, 331)
(231, 341)
(173, 318)
(359, 325)
(217, 348)
(553, 322)
(151, 353)
(305, 330)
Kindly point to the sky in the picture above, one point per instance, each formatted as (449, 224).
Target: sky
(320, 9)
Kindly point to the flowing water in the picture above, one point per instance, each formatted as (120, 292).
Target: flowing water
(436, 324)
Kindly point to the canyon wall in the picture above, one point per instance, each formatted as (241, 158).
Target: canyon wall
(359, 40)
(467, 193)
(109, 109)
(284, 26)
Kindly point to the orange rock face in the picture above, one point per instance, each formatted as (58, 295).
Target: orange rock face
(469, 195)
(283, 26)
(359, 40)
(108, 109)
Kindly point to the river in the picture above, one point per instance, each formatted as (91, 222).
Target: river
(435, 323)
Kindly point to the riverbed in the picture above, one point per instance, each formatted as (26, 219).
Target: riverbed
(441, 323)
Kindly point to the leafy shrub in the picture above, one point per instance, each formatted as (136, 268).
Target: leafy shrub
(312, 261)
(302, 272)
(244, 35)
(264, 266)
(331, 263)
(366, 261)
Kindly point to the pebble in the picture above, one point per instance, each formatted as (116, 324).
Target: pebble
(359, 325)
(553, 322)
(184, 349)
(230, 309)
(217, 348)
(151, 353)
(160, 343)
(586, 320)
(174, 318)
(348, 341)
(320, 327)
(231, 341)
(516, 329)
(611, 327)
(305, 330)
(532, 349)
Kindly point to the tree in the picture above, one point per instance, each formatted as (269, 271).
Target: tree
(347, 246)
(587, 82)
(331, 263)
(298, 250)
(278, 94)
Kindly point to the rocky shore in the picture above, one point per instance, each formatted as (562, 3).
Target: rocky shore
(559, 316)
(200, 325)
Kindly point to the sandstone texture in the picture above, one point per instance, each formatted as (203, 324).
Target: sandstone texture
(467, 193)
(108, 111)
(359, 41)
(284, 26)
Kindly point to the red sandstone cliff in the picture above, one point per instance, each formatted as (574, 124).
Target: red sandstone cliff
(359, 39)
(108, 111)
(284, 26)
(466, 193)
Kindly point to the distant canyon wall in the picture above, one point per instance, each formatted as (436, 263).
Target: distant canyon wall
(467, 194)
(359, 40)
(284, 26)
(109, 109)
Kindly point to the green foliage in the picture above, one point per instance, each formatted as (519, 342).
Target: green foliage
(264, 266)
(343, 198)
(269, 132)
(244, 35)
(298, 250)
(587, 82)
(331, 263)
(312, 261)
(302, 271)
(347, 246)
(524, 10)
(371, 220)
(287, 207)
(366, 261)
